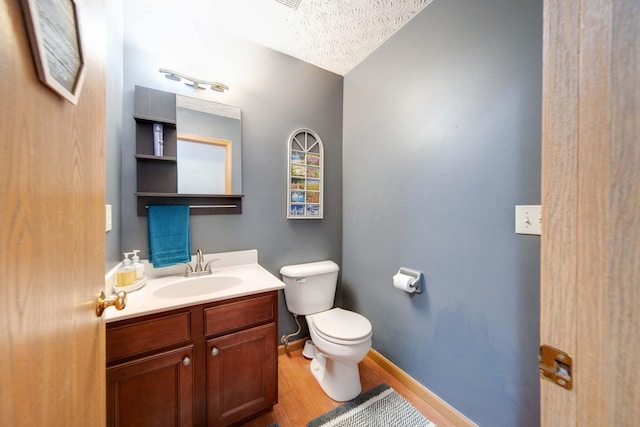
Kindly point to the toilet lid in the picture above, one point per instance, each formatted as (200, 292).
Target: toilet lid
(342, 324)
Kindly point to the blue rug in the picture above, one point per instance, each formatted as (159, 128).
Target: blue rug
(381, 406)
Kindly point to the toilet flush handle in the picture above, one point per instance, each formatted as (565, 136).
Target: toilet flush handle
(301, 280)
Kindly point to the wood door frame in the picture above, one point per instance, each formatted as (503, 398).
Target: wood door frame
(590, 246)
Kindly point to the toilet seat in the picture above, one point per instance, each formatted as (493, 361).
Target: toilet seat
(341, 326)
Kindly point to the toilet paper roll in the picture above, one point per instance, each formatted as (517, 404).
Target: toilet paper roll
(404, 282)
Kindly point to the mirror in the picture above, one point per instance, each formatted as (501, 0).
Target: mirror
(204, 165)
(209, 147)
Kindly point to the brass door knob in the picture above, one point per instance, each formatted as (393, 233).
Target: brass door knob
(119, 301)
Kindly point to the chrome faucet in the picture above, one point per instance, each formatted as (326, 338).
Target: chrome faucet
(199, 270)
(200, 259)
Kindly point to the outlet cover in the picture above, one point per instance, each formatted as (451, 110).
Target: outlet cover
(529, 219)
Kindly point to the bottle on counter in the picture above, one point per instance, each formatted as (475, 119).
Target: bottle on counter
(137, 264)
(126, 274)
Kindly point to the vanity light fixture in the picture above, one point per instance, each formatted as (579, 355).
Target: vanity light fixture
(196, 83)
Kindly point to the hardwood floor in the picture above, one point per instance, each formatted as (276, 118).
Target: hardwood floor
(301, 399)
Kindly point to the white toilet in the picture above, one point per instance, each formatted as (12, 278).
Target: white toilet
(341, 337)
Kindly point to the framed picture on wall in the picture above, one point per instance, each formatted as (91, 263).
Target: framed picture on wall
(56, 45)
(306, 163)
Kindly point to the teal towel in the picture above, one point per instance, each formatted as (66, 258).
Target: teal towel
(169, 236)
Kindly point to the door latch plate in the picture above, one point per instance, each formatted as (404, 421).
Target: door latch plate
(556, 365)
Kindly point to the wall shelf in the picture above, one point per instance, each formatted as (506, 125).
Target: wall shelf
(148, 119)
(156, 158)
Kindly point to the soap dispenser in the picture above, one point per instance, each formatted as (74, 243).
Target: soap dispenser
(137, 264)
(126, 274)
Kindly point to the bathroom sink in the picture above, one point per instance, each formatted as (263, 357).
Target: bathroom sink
(194, 286)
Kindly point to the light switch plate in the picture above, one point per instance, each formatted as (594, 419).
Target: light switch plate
(107, 217)
(529, 219)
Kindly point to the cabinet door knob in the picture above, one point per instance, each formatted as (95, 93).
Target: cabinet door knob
(186, 361)
(214, 351)
(119, 301)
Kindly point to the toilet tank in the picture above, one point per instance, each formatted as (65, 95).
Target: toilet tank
(311, 287)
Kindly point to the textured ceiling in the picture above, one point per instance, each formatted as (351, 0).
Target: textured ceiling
(332, 34)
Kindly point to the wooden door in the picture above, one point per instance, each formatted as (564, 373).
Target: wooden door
(156, 390)
(51, 234)
(590, 277)
(241, 375)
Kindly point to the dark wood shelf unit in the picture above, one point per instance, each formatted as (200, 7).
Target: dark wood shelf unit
(201, 204)
(156, 158)
(144, 139)
(155, 173)
(157, 176)
(155, 105)
(148, 119)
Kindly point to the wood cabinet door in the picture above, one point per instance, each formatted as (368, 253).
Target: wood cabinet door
(241, 375)
(152, 391)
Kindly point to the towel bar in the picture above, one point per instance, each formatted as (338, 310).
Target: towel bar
(206, 206)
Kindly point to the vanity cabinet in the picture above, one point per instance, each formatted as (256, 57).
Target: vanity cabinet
(212, 364)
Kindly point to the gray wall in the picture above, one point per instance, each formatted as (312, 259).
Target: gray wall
(441, 141)
(277, 94)
(113, 120)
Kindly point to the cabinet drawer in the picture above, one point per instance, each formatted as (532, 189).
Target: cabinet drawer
(238, 315)
(135, 338)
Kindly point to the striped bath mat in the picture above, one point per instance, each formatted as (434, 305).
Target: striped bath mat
(381, 406)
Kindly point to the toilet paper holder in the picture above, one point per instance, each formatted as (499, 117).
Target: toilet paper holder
(417, 275)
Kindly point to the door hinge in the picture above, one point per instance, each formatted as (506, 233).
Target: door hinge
(555, 365)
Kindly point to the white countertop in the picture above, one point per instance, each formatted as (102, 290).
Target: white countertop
(255, 279)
